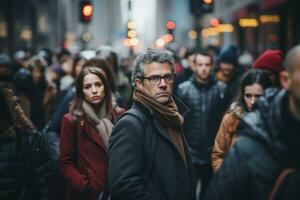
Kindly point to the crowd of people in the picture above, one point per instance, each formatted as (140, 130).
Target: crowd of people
(198, 125)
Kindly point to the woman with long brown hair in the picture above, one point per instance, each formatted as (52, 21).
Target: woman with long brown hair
(84, 136)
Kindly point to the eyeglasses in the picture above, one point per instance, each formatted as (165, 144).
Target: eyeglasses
(156, 79)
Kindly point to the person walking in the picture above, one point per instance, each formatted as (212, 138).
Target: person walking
(27, 172)
(148, 154)
(252, 87)
(268, 142)
(83, 157)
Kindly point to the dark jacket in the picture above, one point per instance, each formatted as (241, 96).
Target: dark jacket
(268, 142)
(202, 123)
(25, 167)
(169, 177)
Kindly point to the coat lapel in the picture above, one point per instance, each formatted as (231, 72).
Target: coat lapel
(86, 128)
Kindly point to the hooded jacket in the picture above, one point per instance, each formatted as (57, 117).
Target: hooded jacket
(268, 143)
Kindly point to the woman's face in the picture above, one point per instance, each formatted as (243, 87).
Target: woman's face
(251, 94)
(93, 89)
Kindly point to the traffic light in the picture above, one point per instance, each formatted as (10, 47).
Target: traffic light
(200, 7)
(207, 5)
(86, 11)
(170, 25)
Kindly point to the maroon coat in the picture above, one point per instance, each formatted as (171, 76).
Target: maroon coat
(92, 158)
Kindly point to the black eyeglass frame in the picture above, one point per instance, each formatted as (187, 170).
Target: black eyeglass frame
(156, 82)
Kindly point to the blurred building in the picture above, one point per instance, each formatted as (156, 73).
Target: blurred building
(52, 23)
(257, 24)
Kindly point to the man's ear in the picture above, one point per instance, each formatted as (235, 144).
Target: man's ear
(285, 80)
(138, 82)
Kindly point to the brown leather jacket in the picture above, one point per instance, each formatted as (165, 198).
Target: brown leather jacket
(226, 136)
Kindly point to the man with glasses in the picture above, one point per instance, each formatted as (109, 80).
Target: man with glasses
(205, 97)
(148, 155)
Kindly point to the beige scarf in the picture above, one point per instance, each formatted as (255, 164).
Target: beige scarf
(167, 114)
(102, 123)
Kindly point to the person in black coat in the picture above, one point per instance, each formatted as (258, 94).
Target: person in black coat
(26, 170)
(148, 154)
(268, 142)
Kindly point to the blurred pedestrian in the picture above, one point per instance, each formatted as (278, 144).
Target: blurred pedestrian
(252, 87)
(42, 105)
(148, 155)
(229, 72)
(83, 156)
(204, 96)
(26, 169)
(268, 143)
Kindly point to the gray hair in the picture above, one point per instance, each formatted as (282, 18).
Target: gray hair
(152, 55)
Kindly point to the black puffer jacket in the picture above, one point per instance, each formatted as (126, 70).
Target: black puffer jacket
(24, 161)
(268, 142)
(202, 122)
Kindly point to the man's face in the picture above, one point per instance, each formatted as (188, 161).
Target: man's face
(226, 68)
(294, 87)
(203, 67)
(163, 89)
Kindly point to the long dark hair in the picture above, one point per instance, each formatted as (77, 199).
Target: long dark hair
(253, 76)
(76, 104)
(12, 112)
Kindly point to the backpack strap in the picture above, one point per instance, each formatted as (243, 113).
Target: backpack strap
(279, 181)
(150, 141)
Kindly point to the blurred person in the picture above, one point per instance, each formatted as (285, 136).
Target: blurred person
(189, 66)
(5, 65)
(57, 71)
(23, 83)
(272, 62)
(26, 169)
(204, 96)
(148, 154)
(123, 87)
(252, 87)
(268, 143)
(44, 91)
(83, 157)
(229, 72)
(246, 60)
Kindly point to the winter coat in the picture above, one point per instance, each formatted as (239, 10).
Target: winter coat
(86, 166)
(202, 122)
(168, 177)
(26, 170)
(226, 135)
(267, 144)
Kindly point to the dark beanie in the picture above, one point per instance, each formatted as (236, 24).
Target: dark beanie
(229, 55)
(270, 59)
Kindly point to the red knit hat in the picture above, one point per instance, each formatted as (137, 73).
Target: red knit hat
(270, 59)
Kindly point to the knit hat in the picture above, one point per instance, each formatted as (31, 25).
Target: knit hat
(229, 55)
(270, 59)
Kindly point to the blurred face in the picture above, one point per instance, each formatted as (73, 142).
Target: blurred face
(226, 68)
(36, 74)
(153, 83)
(290, 81)
(251, 94)
(203, 68)
(93, 89)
